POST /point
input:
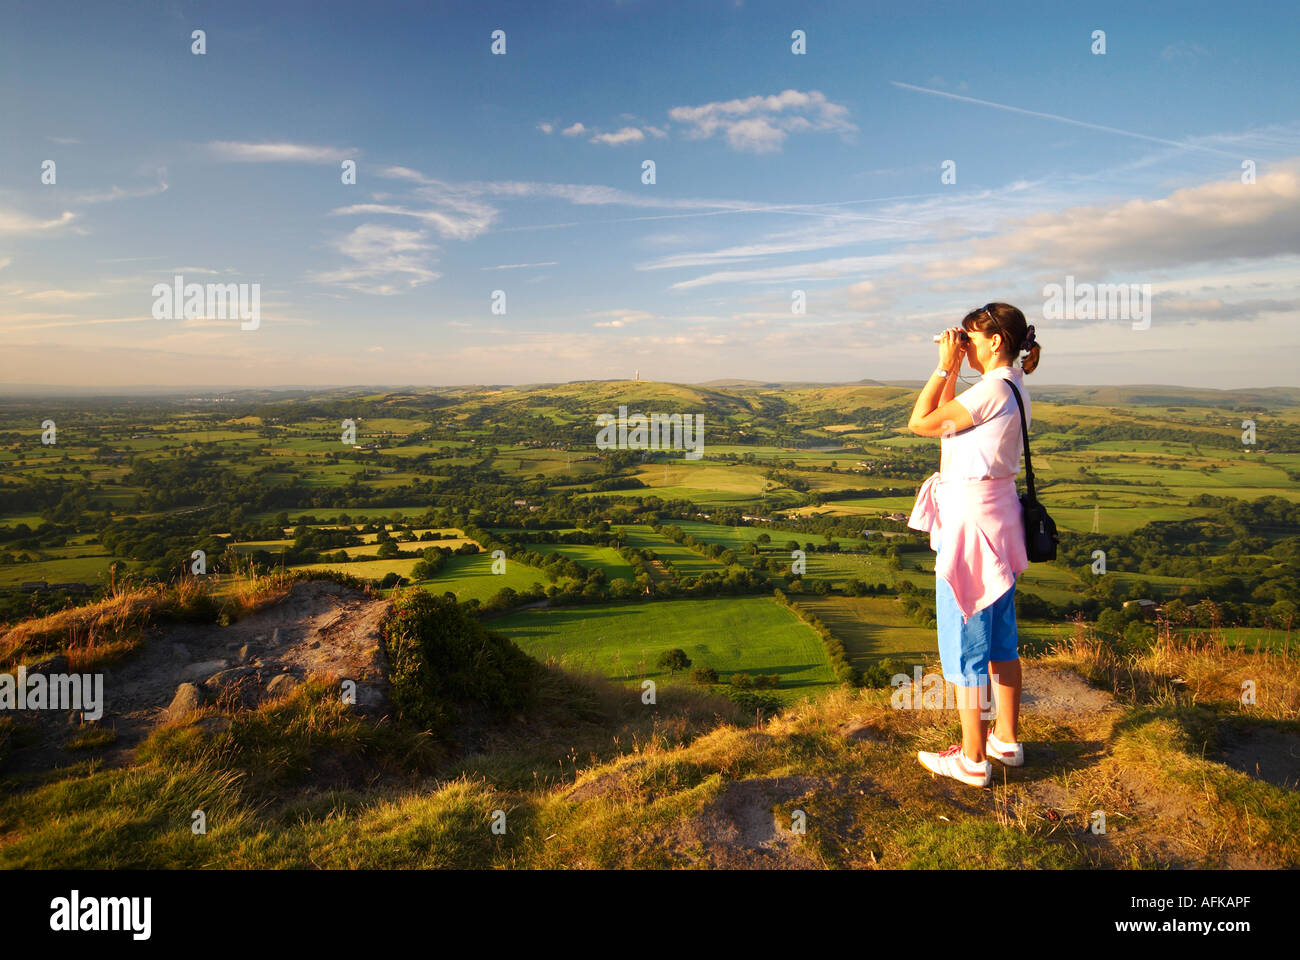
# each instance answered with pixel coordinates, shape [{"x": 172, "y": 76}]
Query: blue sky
[{"x": 522, "y": 172}]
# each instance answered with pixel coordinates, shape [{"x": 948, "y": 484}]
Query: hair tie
[{"x": 1030, "y": 341}]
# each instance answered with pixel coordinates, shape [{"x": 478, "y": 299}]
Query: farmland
[{"x": 501, "y": 498}]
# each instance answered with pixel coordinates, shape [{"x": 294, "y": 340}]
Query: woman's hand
[{"x": 951, "y": 349}]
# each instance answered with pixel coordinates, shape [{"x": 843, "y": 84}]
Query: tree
[
  {"x": 673, "y": 660},
  {"x": 1110, "y": 621},
  {"x": 622, "y": 589}
]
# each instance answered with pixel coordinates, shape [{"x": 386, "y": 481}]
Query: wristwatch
[{"x": 942, "y": 372}]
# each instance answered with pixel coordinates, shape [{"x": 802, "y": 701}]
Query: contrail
[{"x": 1077, "y": 123}]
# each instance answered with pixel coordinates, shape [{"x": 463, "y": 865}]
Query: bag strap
[{"x": 1024, "y": 432}]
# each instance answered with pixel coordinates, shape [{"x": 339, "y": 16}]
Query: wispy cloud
[
  {"x": 241, "y": 152},
  {"x": 1183, "y": 48},
  {"x": 44, "y": 295},
  {"x": 117, "y": 193},
  {"x": 453, "y": 210},
  {"x": 19, "y": 224},
  {"x": 52, "y": 321},
  {"x": 621, "y": 318},
  {"x": 387, "y": 261}
]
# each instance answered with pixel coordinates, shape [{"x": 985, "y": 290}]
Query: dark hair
[{"x": 1003, "y": 318}]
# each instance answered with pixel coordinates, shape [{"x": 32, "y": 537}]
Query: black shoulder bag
[{"x": 1040, "y": 529}]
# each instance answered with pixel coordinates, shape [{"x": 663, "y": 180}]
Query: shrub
[
  {"x": 705, "y": 675},
  {"x": 440, "y": 656},
  {"x": 880, "y": 673},
  {"x": 762, "y": 704}
]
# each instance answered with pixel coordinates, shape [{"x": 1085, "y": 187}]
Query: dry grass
[
  {"x": 1187, "y": 670},
  {"x": 103, "y": 633}
]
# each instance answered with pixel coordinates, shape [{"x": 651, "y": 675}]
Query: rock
[
  {"x": 214, "y": 725},
  {"x": 281, "y": 685},
  {"x": 188, "y": 698},
  {"x": 197, "y": 671},
  {"x": 245, "y": 652},
  {"x": 227, "y": 678},
  {"x": 314, "y": 645},
  {"x": 55, "y": 664},
  {"x": 239, "y": 682}
]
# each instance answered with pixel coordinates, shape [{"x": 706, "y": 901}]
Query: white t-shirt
[{"x": 993, "y": 446}]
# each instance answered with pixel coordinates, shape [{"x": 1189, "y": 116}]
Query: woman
[{"x": 972, "y": 511}]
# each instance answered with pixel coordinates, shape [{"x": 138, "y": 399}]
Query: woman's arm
[{"x": 937, "y": 413}]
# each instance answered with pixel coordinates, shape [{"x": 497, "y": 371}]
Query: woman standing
[{"x": 972, "y": 511}]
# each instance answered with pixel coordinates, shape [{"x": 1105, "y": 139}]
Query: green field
[
  {"x": 590, "y": 558},
  {"x": 754, "y": 635},
  {"x": 471, "y": 577},
  {"x": 873, "y": 628}
]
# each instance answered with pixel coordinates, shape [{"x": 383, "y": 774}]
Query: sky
[{"x": 914, "y": 162}]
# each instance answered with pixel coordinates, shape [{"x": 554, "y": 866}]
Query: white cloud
[
  {"x": 760, "y": 124},
  {"x": 621, "y": 318},
  {"x": 625, "y": 135},
  {"x": 546, "y": 127},
  {"x": 576, "y": 130},
  {"x": 13, "y": 222},
  {"x": 241, "y": 152},
  {"x": 453, "y": 210},
  {"x": 61, "y": 295},
  {"x": 383, "y": 256},
  {"x": 1217, "y": 220}
]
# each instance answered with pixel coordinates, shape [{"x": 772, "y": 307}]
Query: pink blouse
[{"x": 983, "y": 532}]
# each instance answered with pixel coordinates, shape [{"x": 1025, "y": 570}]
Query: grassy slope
[{"x": 599, "y": 779}]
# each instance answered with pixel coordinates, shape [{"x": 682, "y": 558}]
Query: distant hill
[
  {"x": 787, "y": 384},
  {"x": 727, "y": 392}
]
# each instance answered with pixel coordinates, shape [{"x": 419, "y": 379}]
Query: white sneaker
[
  {"x": 1009, "y": 754},
  {"x": 953, "y": 763}
]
